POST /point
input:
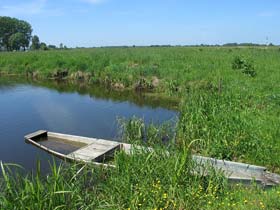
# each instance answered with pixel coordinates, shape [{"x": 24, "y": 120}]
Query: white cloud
[
  {"x": 31, "y": 7},
  {"x": 34, "y": 7}
]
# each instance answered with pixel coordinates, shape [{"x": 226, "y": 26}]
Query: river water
[{"x": 27, "y": 106}]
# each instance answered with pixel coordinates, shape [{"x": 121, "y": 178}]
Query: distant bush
[{"x": 244, "y": 66}]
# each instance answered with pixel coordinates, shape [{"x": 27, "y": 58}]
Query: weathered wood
[
  {"x": 81, "y": 139},
  {"x": 96, "y": 151},
  {"x": 234, "y": 171},
  {"x": 67, "y": 137},
  {"x": 31, "y": 138},
  {"x": 36, "y": 134}
]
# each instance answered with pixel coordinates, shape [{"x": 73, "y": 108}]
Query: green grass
[
  {"x": 143, "y": 181},
  {"x": 231, "y": 126},
  {"x": 178, "y": 69},
  {"x": 230, "y": 109}
]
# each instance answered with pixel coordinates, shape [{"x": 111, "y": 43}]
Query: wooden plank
[
  {"x": 81, "y": 139},
  {"x": 95, "y": 151},
  {"x": 36, "y": 134}
]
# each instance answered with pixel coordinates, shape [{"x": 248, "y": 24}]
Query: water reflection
[{"x": 26, "y": 106}]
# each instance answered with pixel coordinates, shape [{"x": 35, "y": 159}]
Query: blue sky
[{"x": 144, "y": 22}]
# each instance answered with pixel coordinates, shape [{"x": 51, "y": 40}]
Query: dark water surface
[{"x": 27, "y": 106}]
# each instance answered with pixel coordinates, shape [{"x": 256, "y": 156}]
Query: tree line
[{"x": 16, "y": 34}]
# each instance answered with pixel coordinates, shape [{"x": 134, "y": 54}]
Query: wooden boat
[
  {"x": 96, "y": 151},
  {"x": 76, "y": 148}
]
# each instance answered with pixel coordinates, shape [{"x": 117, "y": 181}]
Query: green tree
[
  {"x": 24, "y": 28},
  {"x": 11, "y": 26},
  {"x": 7, "y": 28},
  {"x": 16, "y": 40},
  {"x": 43, "y": 46},
  {"x": 51, "y": 46},
  {"x": 35, "y": 43}
]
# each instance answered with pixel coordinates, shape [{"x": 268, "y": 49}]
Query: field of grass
[
  {"x": 230, "y": 106},
  {"x": 177, "y": 69}
]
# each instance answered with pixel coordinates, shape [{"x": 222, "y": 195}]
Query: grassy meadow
[
  {"x": 229, "y": 109},
  {"x": 177, "y": 69}
]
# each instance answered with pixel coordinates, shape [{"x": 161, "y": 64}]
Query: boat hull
[{"x": 95, "y": 151}]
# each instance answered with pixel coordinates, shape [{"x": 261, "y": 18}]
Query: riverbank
[
  {"x": 229, "y": 110},
  {"x": 100, "y": 91},
  {"x": 171, "y": 71}
]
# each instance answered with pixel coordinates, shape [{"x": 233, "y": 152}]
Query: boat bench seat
[{"x": 96, "y": 151}]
